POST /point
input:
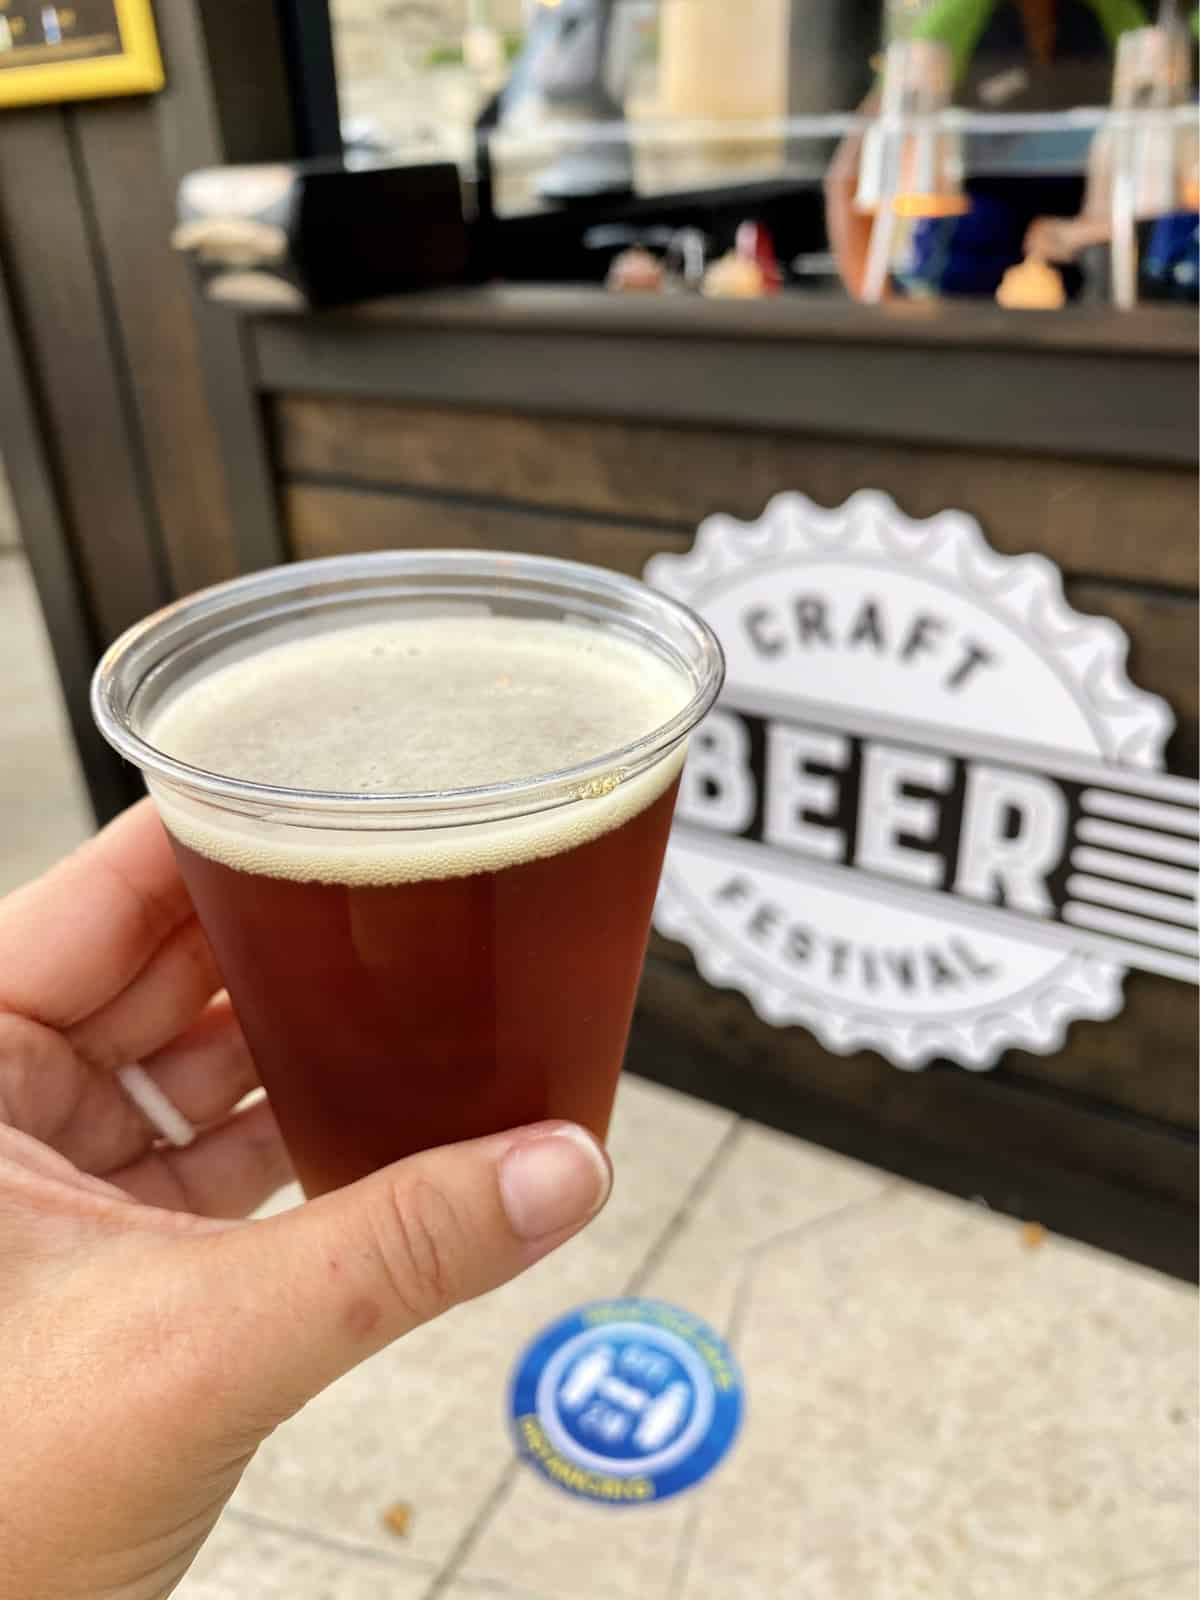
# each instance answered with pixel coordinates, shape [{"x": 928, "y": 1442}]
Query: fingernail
[{"x": 552, "y": 1181}]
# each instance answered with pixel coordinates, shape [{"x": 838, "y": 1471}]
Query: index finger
[{"x": 72, "y": 940}]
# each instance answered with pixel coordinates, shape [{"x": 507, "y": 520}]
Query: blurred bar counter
[{"x": 954, "y": 375}]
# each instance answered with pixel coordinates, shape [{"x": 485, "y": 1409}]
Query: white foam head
[{"x": 430, "y": 704}]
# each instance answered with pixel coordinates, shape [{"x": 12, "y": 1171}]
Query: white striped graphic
[
  {"x": 1081, "y": 887},
  {"x": 1141, "y": 928},
  {"x": 874, "y": 890},
  {"x": 1131, "y": 808},
  {"x": 1133, "y": 870},
  {"x": 1184, "y": 851}
]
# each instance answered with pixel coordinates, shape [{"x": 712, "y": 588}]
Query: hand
[
  {"x": 146, "y": 1346},
  {"x": 847, "y": 228},
  {"x": 1062, "y": 238}
]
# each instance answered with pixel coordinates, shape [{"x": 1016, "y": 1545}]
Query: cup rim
[{"x": 150, "y": 643}]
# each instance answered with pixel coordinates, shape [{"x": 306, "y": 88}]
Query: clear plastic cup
[{"x": 414, "y": 968}]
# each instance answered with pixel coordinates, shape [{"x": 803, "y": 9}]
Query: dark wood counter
[
  {"x": 796, "y": 316},
  {"x": 962, "y": 375}
]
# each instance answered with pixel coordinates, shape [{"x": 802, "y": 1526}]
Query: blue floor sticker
[{"x": 626, "y": 1401}]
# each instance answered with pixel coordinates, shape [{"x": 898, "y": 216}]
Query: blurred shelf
[{"x": 797, "y": 315}]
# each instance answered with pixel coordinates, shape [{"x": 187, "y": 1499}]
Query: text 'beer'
[{"x": 402, "y": 987}]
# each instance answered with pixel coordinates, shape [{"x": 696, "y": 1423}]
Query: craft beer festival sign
[{"x": 927, "y": 816}]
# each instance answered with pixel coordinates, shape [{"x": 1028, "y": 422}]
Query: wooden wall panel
[
  {"x": 46, "y": 541},
  {"x": 1143, "y": 1063},
  {"x": 1089, "y": 384},
  {"x": 75, "y": 368},
  {"x": 1163, "y": 651},
  {"x": 1131, "y": 522},
  {"x": 973, "y": 1111},
  {"x": 227, "y": 99},
  {"x": 325, "y": 522},
  {"x": 134, "y": 209}
]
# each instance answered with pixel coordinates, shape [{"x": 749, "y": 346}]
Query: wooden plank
[
  {"x": 76, "y": 368},
  {"x": 323, "y": 522},
  {"x": 1142, "y": 1062},
  {"x": 226, "y": 100},
  {"x": 968, "y": 1111},
  {"x": 1050, "y": 399},
  {"x": 112, "y": 783},
  {"x": 1130, "y": 522},
  {"x": 1164, "y": 655},
  {"x": 795, "y": 318},
  {"x": 1146, "y": 1228},
  {"x": 152, "y": 299},
  {"x": 103, "y": 318}
]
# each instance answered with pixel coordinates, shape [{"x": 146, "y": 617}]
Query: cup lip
[{"x": 111, "y": 697}]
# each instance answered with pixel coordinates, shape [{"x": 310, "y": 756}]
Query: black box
[{"x": 324, "y": 233}]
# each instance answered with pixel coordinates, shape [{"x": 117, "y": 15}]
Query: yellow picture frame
[{"x": 136, "y": 68}]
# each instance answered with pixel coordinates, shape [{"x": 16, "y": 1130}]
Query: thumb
[{"x": 289, "y": 1304}]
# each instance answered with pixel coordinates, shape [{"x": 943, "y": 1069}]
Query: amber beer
[
  {"x": 424, "y": 847},
  {"x": 391, "y": 1018}
]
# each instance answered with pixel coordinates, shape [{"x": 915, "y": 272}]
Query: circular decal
[{"x": 626, "y": 1401}]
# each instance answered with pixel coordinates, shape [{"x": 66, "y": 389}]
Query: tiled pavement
[{"x": 939, "y": 1406}]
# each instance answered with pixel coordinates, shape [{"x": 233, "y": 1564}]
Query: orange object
[
  {"x": 734, "y": 277},
  {"x": 1032, "y": 286},
  {"x": 635, "y": 271},
  {"x": 397, "y": 1519}
]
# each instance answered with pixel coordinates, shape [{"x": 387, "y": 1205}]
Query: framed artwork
[{"x": 83, "y": 51}]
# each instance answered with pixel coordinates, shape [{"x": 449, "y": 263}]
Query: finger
[
  {"x": 50, "y": 1093},
  {"x": 73, "y": 939},
  {"x": 284, "y": 1306},
  {"x": 229, "y": 1170},
  {"x": 169, "y": 992},
  {"x": 208, "y": 1068},
  {"x": 21, "y": 1153},
  {"x": 89, "y": 1118}
]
